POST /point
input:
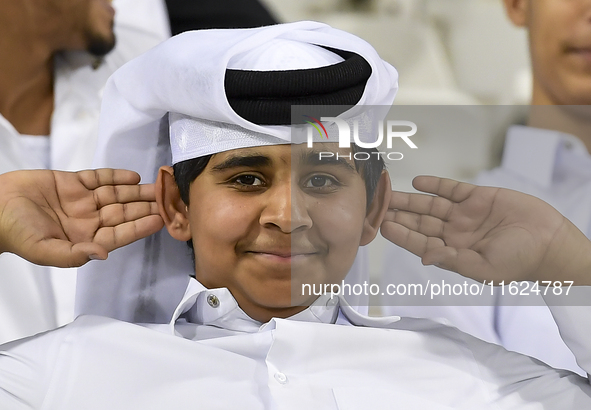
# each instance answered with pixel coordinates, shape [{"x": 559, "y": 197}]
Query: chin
[
  {"x": 276, "y": 299},
  {"x": 100, "y": 43},
  {"x": 574, "y": 91}
]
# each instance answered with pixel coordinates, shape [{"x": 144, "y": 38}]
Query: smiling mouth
[
  {"x": 282, "y": 256},
  {"x": 582, "y": 51}
]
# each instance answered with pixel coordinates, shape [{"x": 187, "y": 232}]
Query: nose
[{"x": 285, "y": 209}]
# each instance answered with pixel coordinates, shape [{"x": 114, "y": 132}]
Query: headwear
[{"x": 215, "y": 84}]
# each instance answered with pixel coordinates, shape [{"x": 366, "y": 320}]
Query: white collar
[
  {"x": 217, "y": 307},
  {"x": 536, "y": 154}
]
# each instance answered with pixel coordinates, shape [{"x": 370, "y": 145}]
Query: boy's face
[{"x": 266, "y": 220}]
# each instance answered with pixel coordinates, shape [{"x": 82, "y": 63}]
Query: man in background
[
  {"x": 56, "y": 58},
  {"x": 549, "y": 158}
]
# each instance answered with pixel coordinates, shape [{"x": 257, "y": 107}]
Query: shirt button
[
  {"x": 281, "y": 378},
  {"x": 213, "y": 301}
]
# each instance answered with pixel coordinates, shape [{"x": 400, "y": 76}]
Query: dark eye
[
  {"x": 249, "y": 180},
  {"x": 320, "y": 181}
]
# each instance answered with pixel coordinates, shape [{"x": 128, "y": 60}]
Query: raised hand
[
  {"x": 487, "y": 233},
  {"x": 65, "y": 219}
]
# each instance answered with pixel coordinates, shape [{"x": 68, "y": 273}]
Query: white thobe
[
  {"x": 549, "y": 165},
  {"x": 213, "y": 356},
  {"x": 27, "y": 297}
]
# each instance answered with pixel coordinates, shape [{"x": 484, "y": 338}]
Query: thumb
[
  {"x": 444, "y": 257},
  {"x": 65, "y": 254}
]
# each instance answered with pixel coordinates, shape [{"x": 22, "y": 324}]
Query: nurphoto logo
[{"x": 392, "y": 130}]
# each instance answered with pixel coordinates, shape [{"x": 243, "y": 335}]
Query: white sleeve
[
  {"x": 402, "y": 268},
  {"x": 574, "y": 323}
]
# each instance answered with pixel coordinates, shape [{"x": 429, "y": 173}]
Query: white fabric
[
  {"x": 144, "y": 281},
  {"x": 554, "y": 167},
  {"x": 35, "y": 151},
  {"x": 27, "y": 301},
  {"x": 283, "y": 54},
  {"x": 182, "y": 81},
  {"x": 192, "y": 137},
  {"x": 217, "y": 357}
]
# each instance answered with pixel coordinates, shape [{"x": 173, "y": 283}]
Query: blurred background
[
  {"x": 446, "y": 51},
  {"x": 462, "y": 53}
]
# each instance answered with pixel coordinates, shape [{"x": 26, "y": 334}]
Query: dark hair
[
  {"x": 186, "y": 171},
  {"x": 370, "y": 170}
]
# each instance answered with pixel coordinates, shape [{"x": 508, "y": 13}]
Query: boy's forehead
[
  {"x": 322, "y": 154},
  {"x": 255, "y": 156}
]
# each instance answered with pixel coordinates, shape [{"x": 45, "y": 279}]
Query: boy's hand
[
  {"x": 65, "y": 219},
  {"x": 487, "y": 233}
]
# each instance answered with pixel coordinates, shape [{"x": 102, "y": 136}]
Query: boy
[{"x": 278, "y": 216}]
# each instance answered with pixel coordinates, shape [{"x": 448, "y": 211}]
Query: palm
[
  {"x": 480, "y": 232},
  {"x": 63, "y": 218}
]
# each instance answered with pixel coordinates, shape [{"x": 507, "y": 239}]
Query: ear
[
  {"x": 377, "y": 209},
  {"x": 517, "y": 11},
  {"x": 170, "y": 205}
]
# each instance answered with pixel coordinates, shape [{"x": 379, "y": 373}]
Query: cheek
[
  {"x": 341, "y": 215},
  {"x": 219, "y": 223},
  {"x": 217, "y": 226},
  {"x": 545, "y": 49},
  {"x": 340, "y": 227},
  {"x": 338, "y": 223}
]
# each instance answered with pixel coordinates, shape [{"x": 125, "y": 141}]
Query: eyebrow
[
  {"x": 313, "y": 158},
  {"x": 238, "y": 161}
]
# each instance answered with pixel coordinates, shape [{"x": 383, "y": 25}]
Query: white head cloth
[{"x": 184, "y": 76}]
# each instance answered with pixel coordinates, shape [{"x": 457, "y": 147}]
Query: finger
[
  {"x": 65, "y": 254},
  {"x": 412, "y": 241},
  {"x": 116, "y": 214},
  {"x": 450, "y": 189},
  {"x": 421, "y": 204},
  {"x": 115, "y": 237},
  {"x": 423, "y": 224},
  {"x": 113, "y": 194},
  {"x": 95, "y": 178}
]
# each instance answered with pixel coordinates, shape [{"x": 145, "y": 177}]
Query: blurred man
[
  {"x": 549, "y": 158},
  {"x": 32, "y": 33},
  {"x": 57, "y": 56}
]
